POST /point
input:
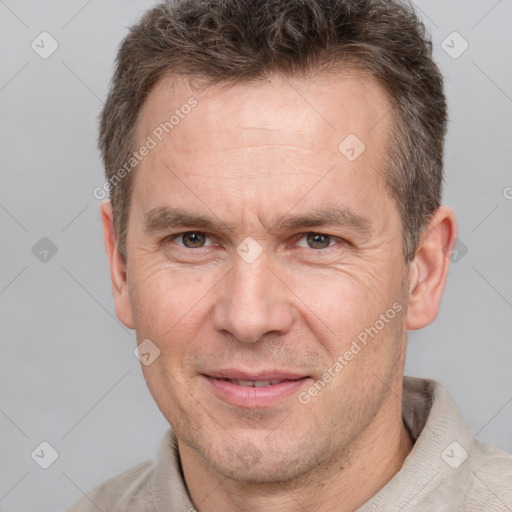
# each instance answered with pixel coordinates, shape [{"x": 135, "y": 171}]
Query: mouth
[
  {"x": 255, "y": 390},
  {"x": 256, "y": 383}
]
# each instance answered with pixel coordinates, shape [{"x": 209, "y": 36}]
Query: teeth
[
  {"x": 247, "y": 383},
  {"x": 254, "y": 383},
  {"x": 261, "y": 383}
]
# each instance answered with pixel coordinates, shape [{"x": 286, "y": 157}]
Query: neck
[{"x": 370, "y": 462}]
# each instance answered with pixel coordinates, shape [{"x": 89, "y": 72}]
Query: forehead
[
  {"x": 282, "y": 108},
  {"x": 261, "y": 140}
]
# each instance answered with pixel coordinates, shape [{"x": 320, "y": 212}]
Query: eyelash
[{"x": 172, "y": 238}]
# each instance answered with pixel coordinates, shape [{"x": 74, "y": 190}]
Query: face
[{"x": 258, "y": 254}]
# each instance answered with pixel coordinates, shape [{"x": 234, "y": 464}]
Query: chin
[
  {"x": 271, "y": 472},
  {"x": 257, "y": 461}
]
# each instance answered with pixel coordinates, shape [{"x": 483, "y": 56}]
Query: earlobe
[
  {"x": 117, "y": 268},
  {"x": 429, "y": 270}
]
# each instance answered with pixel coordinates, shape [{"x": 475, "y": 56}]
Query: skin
[{"x": 244, "y": 155}]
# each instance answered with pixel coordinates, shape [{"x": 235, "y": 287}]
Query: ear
[
  {"x": 117, "y": 268},
  {"x": 429, "y": 270}
]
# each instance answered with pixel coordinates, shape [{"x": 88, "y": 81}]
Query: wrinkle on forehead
[
  {"x": 281, "y": 111},
  {"x": 283, "y": 136}
]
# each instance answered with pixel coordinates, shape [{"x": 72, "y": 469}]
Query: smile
[
  {"x": 256, "y": 392},
  {"x": 255, "y": 383}
]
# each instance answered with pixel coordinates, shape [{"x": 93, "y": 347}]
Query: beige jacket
[{"x": 447, "y": 469}]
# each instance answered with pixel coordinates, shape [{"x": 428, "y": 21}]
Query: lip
[
  {"x": 235, "y": 374},
  {"x": 255, "y": 397}
]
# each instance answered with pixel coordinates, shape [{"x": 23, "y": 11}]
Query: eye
[
  {"x": 198, "y": 240},
  {"x": 318, "y": 240},
  {"x": 191, "y": 239}
]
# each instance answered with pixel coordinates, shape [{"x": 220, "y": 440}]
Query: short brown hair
[{"x": 229, "y": 41}]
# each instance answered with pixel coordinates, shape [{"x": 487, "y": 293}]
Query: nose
[{"x": 252, "y": 302}]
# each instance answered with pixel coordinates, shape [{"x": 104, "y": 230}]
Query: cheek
[
  {"x": 354, "y": 322},
  {"x": 170, "y": 309},
  {"x": 335, "y": 305},
  {"x": 343, "y": 301},
  {"x": 168, "y": 303}
]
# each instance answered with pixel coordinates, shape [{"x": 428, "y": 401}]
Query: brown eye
[
  {"x": 318, "y": 240},
  {"x": 192, "y": 239}
]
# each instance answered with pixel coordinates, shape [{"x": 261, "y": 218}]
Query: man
[{"x": 274, "y": 229}]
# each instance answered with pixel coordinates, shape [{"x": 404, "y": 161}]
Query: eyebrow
[{"x": 163, "y": 218}]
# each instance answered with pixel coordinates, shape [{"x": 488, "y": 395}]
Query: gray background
[{"x": 67, "y": 372}]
